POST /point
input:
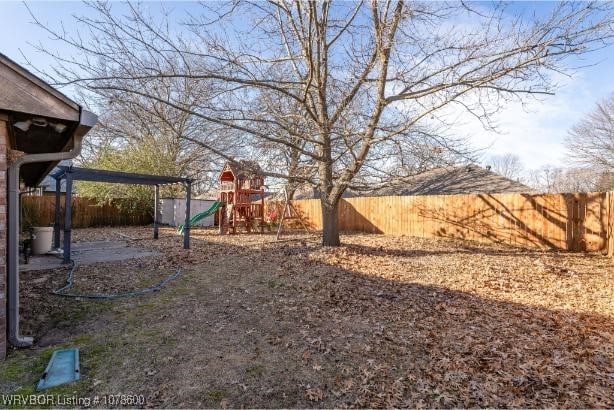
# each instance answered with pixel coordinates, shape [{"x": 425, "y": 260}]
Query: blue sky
[{"x": 535, "y": 136}]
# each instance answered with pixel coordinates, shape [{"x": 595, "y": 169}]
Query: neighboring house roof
[
  {"x": 470, "y": 179},
  {"x": 41, "y": 119},
  {"x": 48, "y": 183}
]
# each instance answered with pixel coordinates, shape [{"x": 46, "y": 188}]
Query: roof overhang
[
  {"x": 40, "y": 118},
  {"x": 23, "y": 92}
]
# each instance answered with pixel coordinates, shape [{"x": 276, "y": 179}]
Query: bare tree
[
  {"x": 605, "y": 182},
  {"x": 590, "y": 143},
  {"x": 132, "y": 121},
  {"x": 508, "y": 165},
  {"x": 556, "y": 179},
  {"x": 297, "y": 170},
  {"x": 361, "y": 75}
]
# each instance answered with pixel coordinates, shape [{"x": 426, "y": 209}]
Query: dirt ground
[{"x": 379, "y": 322}]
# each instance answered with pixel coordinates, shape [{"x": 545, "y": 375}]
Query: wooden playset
[
  {"x": 288, "y": 214},
  {"x": 241, "y": 197}
]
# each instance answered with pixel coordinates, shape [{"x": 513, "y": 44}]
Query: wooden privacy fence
[
  {"x": 40, "y": 211},
  {"x": 575, "y": 222}
]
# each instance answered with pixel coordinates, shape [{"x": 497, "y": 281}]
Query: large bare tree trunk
[{"x": 330, "y": 223}]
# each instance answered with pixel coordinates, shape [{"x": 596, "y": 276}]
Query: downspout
[{"x": 86, "y": 121}]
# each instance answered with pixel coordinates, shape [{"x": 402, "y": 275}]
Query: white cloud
[{"x": 536, "y": 131}]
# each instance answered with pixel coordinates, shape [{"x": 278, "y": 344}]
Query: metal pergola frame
[{"x": 70, "y": 174}]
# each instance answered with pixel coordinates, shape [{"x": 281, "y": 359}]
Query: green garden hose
[{"x": 70, "y": 282}]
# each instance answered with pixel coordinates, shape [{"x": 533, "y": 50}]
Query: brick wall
[{"x": 3, "y": 208}]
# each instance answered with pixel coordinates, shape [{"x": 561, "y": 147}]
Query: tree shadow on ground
[
  {"x": 272, "y": 327},
  {"x": 465, "y": 249}
]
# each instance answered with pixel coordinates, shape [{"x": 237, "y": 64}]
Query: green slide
[{"x": 216, "y": 205}]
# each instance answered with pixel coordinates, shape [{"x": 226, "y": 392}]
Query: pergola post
[
  {"x": 156, "y": 210},
  {"x": 68, "y": 217},
  {"x": 98, "y": 175},
  {"x": 58, "y": 215},
  {"x": 186, "y": 225}
]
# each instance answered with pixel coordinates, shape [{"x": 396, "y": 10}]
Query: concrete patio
[{"x": 87, "y": 253}]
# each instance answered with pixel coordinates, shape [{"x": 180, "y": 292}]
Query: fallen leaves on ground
[{"x": 378, "y": 322}]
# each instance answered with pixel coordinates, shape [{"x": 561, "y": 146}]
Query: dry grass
[{"x": 378, "y": 322}]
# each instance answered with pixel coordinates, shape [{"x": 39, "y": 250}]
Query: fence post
[{"x": 610, "y": 223}]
